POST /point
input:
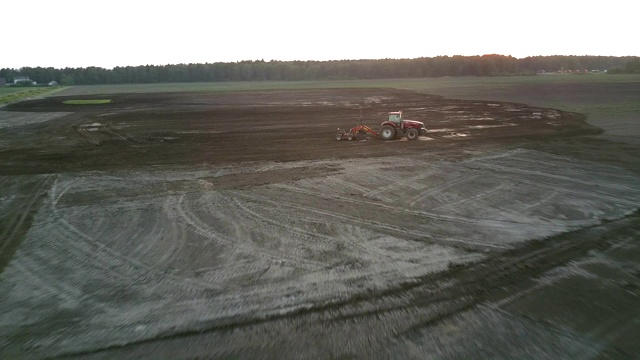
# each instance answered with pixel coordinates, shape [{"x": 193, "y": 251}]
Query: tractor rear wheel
[
  {"x": 412, "y": 134},
  {"x": 387, "y": 132},
  {"x": 339, "y": 136}
]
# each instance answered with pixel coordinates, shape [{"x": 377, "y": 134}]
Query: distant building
[
  {"x": 3, "y": 81},
  {"x": 19, "y": 79},
  {"x": 53, "y": 83}
]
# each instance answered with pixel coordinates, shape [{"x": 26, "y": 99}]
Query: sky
[{"x": 70, "y": 33}]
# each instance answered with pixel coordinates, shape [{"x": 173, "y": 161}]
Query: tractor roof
[{"x": 395, "y": 112}]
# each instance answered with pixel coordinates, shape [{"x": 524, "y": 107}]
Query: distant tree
[
  {"x": 633, "y": 66},
  {"x": 8, "y": 74},
  {"x": 485, "y": 65},
  {"x": 67, "y": 80}
]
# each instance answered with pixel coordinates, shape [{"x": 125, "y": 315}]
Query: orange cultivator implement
[
  {"x": 356, "y": 133},
  {"x": 359, "y": 132}
]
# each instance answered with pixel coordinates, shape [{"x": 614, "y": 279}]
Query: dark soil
[{"x": 183, "y": 129}]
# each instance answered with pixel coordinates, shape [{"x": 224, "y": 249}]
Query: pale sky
[{"x": 69, "y": 33}]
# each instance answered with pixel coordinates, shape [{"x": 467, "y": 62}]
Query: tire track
[
  {"x": 35, "y": 271},
  {"x": 18, "y": 218},
  {"x": 551, "y": 180},
  {"x": 158, "y": 238},
  {"x": 419, "y": 304},
  {"x": 88, "y": 252},
  {"x": 208, "y": 232},
  {"x": 374, "y": 256},
  {"x": 92, "y": 131},
  {"x": 308, "y": 235},
  {"x": 403, "y": 210},
  {"x": 486, "y": 222},
  {"x": 87, "y": 134},
  {"x": 399, "y": 184},
  {"x": 466, "y": 200},
  {"x": 371, "y": 259},
  {"x": 557, "y": 163},
  {"x": 378, "y": 225},
  {"x": 574, "y": 193},
  {"x": 107, "y": 129},
  {"x": 346, "y": 185},
  {"x": 73, "y": 232},
  {"x": 177, "y": 234},
  {"x": 375, "y": 253},
  {"x": 440, "y": 189}
]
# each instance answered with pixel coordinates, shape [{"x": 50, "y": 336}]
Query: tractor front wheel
[
  {"x": 387, "y": 132},
  {"x": 412, "y": 134}
]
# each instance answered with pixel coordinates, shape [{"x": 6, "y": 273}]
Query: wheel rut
[{"x": 431, "y": 299}]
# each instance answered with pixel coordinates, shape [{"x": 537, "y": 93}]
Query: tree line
[{"x": 260, "y": 70}]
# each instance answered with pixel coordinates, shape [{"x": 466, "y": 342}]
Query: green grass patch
[
  {"x": 11, "y": 94},
  {"x": 6, "y": 90},
  {"x": 87, "y": 101}
]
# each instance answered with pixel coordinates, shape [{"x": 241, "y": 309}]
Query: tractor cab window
[{"x": 395, "y": 118}]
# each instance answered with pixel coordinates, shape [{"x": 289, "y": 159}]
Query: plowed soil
[
  {"x": 235, "y": 225},
  {"x": 184, "y": 129}
]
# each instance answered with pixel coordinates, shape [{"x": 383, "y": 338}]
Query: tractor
[{"x": 395, "y": 126}]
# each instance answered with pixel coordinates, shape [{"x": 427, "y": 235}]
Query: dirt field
[{"x": 177, "y": 225}]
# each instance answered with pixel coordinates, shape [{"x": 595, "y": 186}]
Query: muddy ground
[{"x": 234, "y": 225}]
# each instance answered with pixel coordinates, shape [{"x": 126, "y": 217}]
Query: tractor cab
[{"x": 396, "y": 118}]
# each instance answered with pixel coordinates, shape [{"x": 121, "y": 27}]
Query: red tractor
[{"x": 396, "y": 126}]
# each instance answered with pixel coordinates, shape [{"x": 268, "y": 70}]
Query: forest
[{"x": 260, "y": 70}]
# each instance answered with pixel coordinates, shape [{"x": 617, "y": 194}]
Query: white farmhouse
[{"x": 18, "y": 79}]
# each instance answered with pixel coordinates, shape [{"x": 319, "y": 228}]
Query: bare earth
[{"x": 234, "y": 225}]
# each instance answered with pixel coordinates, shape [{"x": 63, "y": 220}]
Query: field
[
  {"x": 224, "y": 220},
  {"x": 609, "y": 101}
]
